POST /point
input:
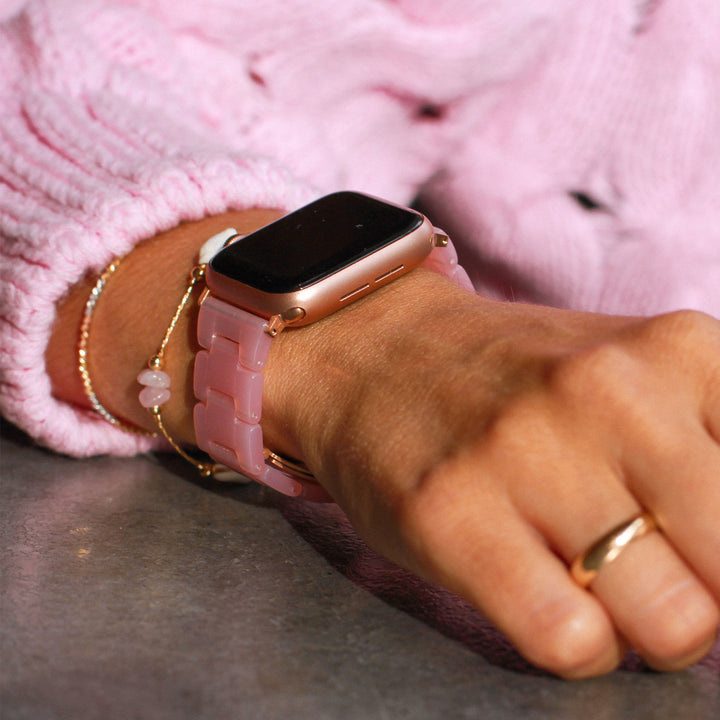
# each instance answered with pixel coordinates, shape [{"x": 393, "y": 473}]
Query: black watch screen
[{"x": 314, "y": 242}]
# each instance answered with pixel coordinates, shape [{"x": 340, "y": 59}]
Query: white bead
[
  {"x": 154, "y": 378},
  {"x": 152, "y": 396}
]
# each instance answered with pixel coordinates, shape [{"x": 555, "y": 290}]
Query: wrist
[
  {"x": 130, "y": 320},
  {"x": 316, "y": 374}
]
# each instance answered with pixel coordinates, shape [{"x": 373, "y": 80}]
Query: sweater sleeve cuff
[{"x": 76, "y": 192}]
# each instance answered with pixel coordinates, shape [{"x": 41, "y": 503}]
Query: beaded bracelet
[
  {"x": 156, "y": 382},
  {"x": 83, "y": 342}
]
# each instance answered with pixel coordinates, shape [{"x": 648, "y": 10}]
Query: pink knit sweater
[{"x": 572, "y": 148}]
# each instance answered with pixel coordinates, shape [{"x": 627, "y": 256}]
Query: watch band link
[{"x": 228, "y": 383}]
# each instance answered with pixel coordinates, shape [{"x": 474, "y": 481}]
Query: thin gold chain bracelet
[{"x": 83, "y": 354}]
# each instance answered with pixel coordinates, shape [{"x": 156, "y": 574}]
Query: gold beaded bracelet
[
  {"x": 156, "y": 382},
  {"x": 83, "y": 341}
]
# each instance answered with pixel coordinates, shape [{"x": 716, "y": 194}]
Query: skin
[{"x": 481, "y": 445}]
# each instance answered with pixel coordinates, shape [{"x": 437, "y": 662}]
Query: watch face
[{"x": 314, "y": 242}]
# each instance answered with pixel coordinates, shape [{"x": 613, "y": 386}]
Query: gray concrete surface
[{"x": 131, "y": 590}]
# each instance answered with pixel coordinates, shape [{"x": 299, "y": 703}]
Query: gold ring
[{"x": 586, "y": 566}]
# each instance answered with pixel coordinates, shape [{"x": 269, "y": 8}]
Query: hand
[
  {"x": 485, "y": 445},
  {"x": 482, "y": 445}
]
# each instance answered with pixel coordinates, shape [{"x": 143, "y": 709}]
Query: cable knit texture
[{"x": 571, "y": 148}]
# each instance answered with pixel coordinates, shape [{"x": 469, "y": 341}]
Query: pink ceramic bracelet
[{"x": 228, "y": 384}]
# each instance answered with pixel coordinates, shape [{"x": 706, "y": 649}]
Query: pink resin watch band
[{"x": 228, "y": 384}]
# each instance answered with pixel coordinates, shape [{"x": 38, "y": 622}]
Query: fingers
[
  {"x": 659, "y": 591},
  {"x": 485, "y": 551},
  {"x": 500, "y": 548},
  {"x": 655, "y": 601},
  {"x": 572, "y": 444},
  {"x": 681, "y": 485},
  {"x": 658, "y": 603}
]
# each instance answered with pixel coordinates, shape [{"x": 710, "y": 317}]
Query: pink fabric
[{"x": 572, "y": 149}]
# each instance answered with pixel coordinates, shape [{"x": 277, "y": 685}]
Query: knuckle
[
  {"x": 600, "y": 371},
  {"x": 516, "y": 422},
  {"x": 416, "y": 513},
  {"x": 440, "y": 529},
  {"x": 612, "y": 370},
  {"x": 682, "y": 326}
]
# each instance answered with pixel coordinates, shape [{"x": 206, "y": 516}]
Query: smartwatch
[{"x": 293, "y": 272}]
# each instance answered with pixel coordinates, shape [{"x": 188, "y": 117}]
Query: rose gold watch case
[{"x": 335, "y": 292}]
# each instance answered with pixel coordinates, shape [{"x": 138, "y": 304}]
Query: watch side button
[
  {"x": 387, "y": 275},
  {"x": 293, "y": 315},
  {"x": 356, "y": 292}
]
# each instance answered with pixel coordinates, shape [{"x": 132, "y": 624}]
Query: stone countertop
[{"x": 129, "y": 589}]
